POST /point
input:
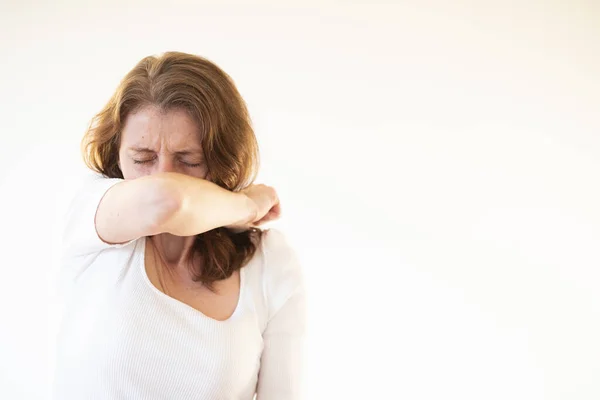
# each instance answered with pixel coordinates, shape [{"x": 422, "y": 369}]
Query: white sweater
[{"x": 122, "y": 338}]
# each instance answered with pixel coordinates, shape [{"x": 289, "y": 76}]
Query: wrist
[{"x": 248, "y": 211}]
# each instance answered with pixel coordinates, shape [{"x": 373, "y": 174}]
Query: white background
[{"x": 438, "y": 165}]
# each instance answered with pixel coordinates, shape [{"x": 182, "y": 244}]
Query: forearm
[{"x": 202, "y": 206}]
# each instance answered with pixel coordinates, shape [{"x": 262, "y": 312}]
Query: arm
[
  {"x": 281, "y": 365},
  {"x": 168, "y": 202}
]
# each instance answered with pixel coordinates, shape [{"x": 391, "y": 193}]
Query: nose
[{"x": 166, "y": 164}]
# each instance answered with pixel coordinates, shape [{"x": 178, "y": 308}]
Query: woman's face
[{"x": 153, "y": 141}]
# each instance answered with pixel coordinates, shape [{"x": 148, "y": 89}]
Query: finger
[
  {"x": 276, "y": 210},
  {"x": 270, "y": 216}
]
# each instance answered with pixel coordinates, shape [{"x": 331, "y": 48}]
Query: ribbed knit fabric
[{"x": 122, "y": 338}]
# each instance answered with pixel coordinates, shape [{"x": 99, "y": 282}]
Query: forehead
[{"x": 153, "y": 128}]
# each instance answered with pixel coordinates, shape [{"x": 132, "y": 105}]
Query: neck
[
  {"x": 173, "y": 249},
  {"x": 170, "y": 260}
]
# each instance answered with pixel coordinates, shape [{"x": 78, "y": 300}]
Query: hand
[{"x": 267, "y": 205}]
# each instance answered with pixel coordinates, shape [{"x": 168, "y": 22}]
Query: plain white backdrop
[{"x": 438, "y": 165}]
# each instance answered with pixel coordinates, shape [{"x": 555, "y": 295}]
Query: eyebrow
[{"x": 181, "y": 153}]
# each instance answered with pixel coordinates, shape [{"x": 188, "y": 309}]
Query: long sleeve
[
  {"x": 281, "y": 370},
  {"x": 80, "y": 236}
]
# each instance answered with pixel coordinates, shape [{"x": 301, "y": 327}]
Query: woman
[{"x": 172, "y": 290}]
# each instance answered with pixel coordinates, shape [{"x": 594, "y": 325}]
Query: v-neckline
[{"x": 194, "y": 312}]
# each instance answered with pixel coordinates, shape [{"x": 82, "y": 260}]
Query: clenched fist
[{"x": 267, "y": 205}]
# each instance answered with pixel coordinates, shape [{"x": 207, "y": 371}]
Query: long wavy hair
[{"x": 176, "y": 80}]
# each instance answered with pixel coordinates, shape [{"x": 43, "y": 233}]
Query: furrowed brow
[{"x": 141, "y": 149}]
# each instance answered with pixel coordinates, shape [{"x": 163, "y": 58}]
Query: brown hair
[{"x": 176, "y": 80}]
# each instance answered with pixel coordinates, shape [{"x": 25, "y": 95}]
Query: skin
[
  {"x": 150, "y": 144},
  {"x": 155, "y": 142}
]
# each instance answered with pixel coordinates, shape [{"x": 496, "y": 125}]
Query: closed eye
[
  {"x": 191, "y": 165},
  {"x": 142, "y": 161}
]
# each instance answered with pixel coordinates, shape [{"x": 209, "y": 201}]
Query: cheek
[
  {"x": 133, "y": 171},
  {"x": 197, "y": 172}
]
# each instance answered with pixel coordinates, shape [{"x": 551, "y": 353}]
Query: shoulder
[
  {"x": 283, "y": 274},
  {"x": 92, "y": 183},
  {"x": 280, "y": 255},
  {"x": 276, "y": 243}
]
